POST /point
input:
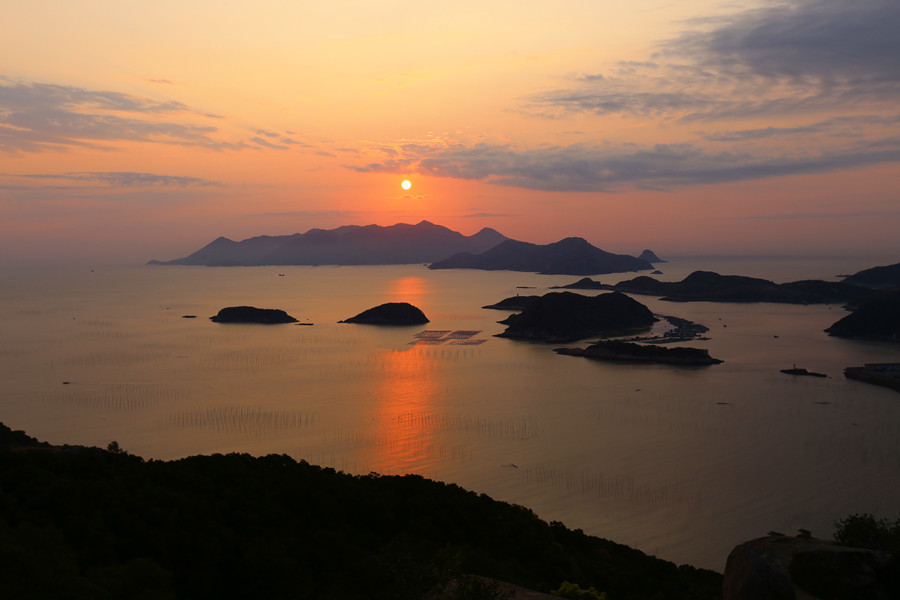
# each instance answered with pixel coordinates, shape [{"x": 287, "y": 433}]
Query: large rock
[
  {"x": 780, "y": 567},
  {"x": 392, "y": 313},
  {"x": 250, "y": 314}
]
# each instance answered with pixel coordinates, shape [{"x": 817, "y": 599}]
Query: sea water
[{"x": 682, "y": 463}]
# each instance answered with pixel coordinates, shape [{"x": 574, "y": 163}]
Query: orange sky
[{"x": 133, "y": 130}]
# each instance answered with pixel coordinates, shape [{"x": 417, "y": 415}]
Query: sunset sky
[{"x": 140, "y": 130}]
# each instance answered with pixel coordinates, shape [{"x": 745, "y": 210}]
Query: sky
[{"x": 140, "y": 130}]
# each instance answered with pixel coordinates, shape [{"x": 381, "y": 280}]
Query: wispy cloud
[
  {"x": 819, "y": 215},
  {"x": 126, "y": 179},
  {"x": 850, "y": 126},
  {"x": 783, "y": 59},
  {"x": 38, "y": 117},
  {"x": 592, "y": 168},
  {"x": 487, "y": 215}
]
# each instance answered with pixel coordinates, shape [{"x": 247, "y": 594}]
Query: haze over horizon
[{"x": 131, "y": 131}]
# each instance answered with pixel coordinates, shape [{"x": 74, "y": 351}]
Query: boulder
[{"x": 779, "y": 567}]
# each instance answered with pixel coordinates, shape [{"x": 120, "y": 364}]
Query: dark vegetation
[
  {"x": 87, "y": 523},
  {"x": 391, "y": 313},
  {"x": 619, "y": 351},
  {"x": 567, "y": 317},
  {"x": 865, "y": 531},
  {"x": 571, "y": 256},
  {"x": 250, "y": 314}
]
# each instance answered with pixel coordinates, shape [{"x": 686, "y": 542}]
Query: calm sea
[{"x": 680, "y": 463}]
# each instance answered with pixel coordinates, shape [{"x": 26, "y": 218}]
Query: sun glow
[{"x": 406, "y": 184}]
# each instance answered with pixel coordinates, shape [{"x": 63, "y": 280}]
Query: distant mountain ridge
[
  {"x": 570, "y": 256},
  {"x": 402, "y": 243}
]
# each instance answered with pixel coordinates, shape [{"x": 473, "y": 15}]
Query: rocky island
[
  {"x": 571, "y": 256},
  {"x": 250, "y": 314},
  {"x": 619, "y": 351},
  {"x": 391, "y": 313},
  {"x": 708, "y": 286},
  {"x": 562, "y": 317}
]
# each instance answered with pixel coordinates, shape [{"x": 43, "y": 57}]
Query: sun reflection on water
[{"x": 407, "y": 387}]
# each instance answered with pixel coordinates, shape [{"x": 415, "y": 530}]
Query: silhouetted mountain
[
  {"x": 712, "y": 287},
  {"x": 424, "y": 242},
  {"x": 650, "y": 257},
  {"x": 571, "y": 256},
  {"x": 887, "y": 276}
]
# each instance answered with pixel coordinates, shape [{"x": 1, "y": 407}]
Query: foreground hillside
[{"x": 87, "y": 523}]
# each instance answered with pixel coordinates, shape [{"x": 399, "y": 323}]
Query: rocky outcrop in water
[
  {"x": 250, "y": 314},
  {"x": 618, "y": 351},
  {"x": 391, "y": 313}
]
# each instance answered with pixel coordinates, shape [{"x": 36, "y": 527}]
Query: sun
[{"x": 406, "y": 184}]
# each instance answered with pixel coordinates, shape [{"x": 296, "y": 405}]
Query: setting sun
[{"x": 406, "y": 184}]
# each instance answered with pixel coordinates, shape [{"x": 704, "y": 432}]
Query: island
[
  {"x": 571, "y": 256},
  {"x": 802, "y": 372},
  {"x": 562, "y": 317},
  {"x": 708, "y": 286},
  {"x": 620, "y": 351},
  {"x": 585, "y": 283},
  {"x": 391, "y": 313},
  {"x": 877, "y": 277},
  {"x": 876, "y": 319},
  {"x": 250, "y": 314},
  {"x": 422, "y": 243}
]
